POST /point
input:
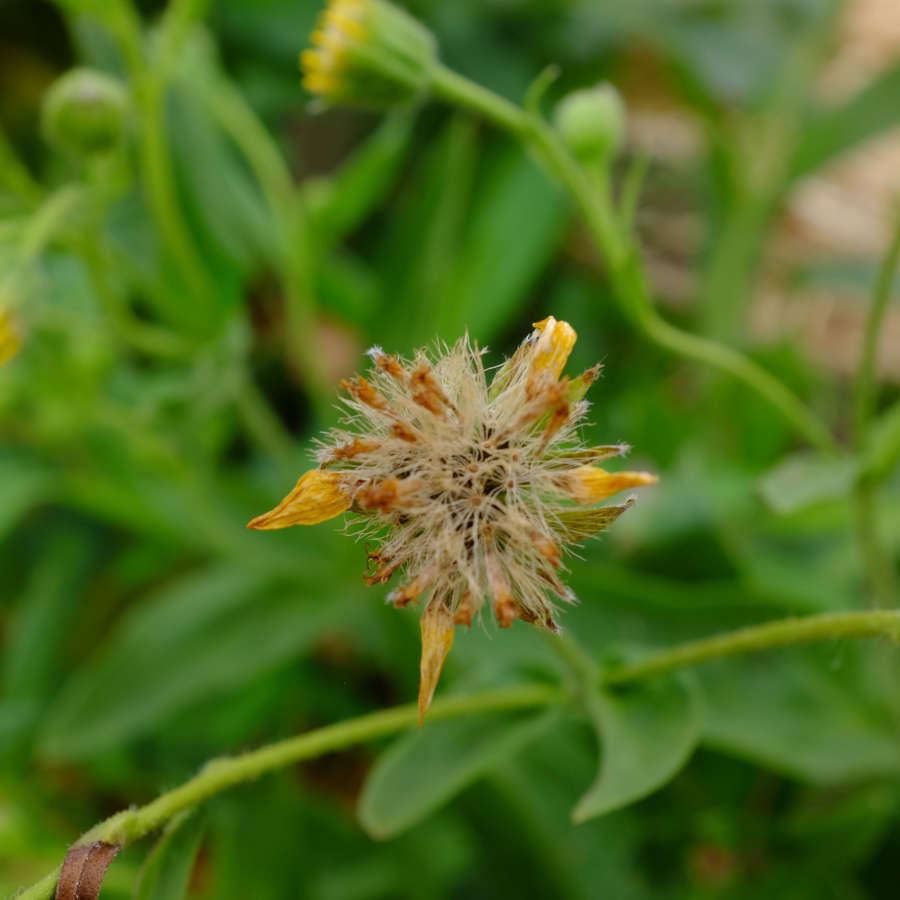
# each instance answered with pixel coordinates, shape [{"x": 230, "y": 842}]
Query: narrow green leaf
[
  {"x": 806, "y": 478},
  {"x": 422, "y": 240},
  {"x": 872, "y": 111},
  {"x": 647, "y": 733},
  {"x": 208, "y": 633},
  {"x": 167, "y": 870},
  {"x": 807, "y": 712},
  {"x": 515, "y": 228},
  {"x": 882, "y": 452},
  {"x": 23, "y": 483},
  {"x": 428, "y": 767},
  {"x": 345, "y": 200},
  {"x": 40, "y": 626}
]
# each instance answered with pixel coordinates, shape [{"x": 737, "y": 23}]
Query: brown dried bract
[
  {"x": 391, "y": 365},
  {"x": 355, "y": 448},
  {"x": 83, "y": 871},
  {"x": 385, "y": 495},
  {"x": 402, "y": 431},
  {"x": 546, "y": 548},
  {"x": 362, "y": 390},
  {"x": 464, "y": 611}
]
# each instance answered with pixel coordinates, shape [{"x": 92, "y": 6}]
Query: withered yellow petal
[
  {"x": 554, "y": 344},
  {"x": 317, "y": 496},
  {"x": 591, "y": 484},
  {"x": 437, "y": 639}
]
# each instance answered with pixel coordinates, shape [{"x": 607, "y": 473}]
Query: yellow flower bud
[{"x": 368, "y": 53}]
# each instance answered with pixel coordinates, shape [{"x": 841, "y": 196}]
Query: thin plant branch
[
  {"x": 218, "y": 775},
  {"x": 621, "y": 254}
]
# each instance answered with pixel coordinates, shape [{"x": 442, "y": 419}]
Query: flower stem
[
  {"x": 219, "y": 774},
  {"x": 864, "y": 399},
  {"x": 876, "y": 558},
  {"x": 621, "y": 255},
  {"x": 826, "y": 626},
  {"x": 156, "y": 166}
]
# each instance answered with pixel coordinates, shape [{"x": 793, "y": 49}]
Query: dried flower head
[
  {"x": 368, "y": 52},
  {"x": 468, "y": 487}
]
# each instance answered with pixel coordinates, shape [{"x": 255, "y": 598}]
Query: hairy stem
[
  {"x": 219, "y": 774},
  {"x": 621, "y": 255},
  {"x": 754, "y": 638}
]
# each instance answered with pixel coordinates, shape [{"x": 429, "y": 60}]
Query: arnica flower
[
  {"x": 368, "y": 53},
  {"x": 10, "y": 341},
  {"x": 468, "y": 489}
]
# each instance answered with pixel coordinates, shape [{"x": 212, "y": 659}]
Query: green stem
[
  {"x": 156, "y": 166},
  {"x": 220, "y": 774},
  {"x": 263, "y": 424},
  {"x": 48, "y": 221},
  {"x": 864, "y": 398},
  {"x": 294, "y": 255},
  {"x": 826, "y": 626},
  {"x": 621, "y": 254},
  {"x": 876, "y": 558},
  {"x": 760, "y": 179},
  {"x": 141, "y": 336}
]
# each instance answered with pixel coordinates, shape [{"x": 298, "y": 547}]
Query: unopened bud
[
  {"x": 368, "y": 53},
  {"x": 84, "y": 112},
  {"x": 592, "y": 123}
]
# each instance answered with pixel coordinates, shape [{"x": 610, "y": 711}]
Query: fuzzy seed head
[{"x": 467, "y": 488}]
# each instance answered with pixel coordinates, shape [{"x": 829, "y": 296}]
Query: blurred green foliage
[{"x": 189, "y": 300}]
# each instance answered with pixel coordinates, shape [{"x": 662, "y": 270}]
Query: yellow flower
[
  {"x": 471, "y": 489},
  {"x": 368, "y": 52},
  {"x": 10, "y": 342}
]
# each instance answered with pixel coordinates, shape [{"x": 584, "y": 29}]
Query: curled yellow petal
[
  {"x": 437, "y": 639},
  {"x": 554, "y": 344},
  {"x": 317, "y": 496},
  {"x": 591, "y": 484}
]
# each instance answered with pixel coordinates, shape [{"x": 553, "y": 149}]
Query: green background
[{"x": 161, "y": 400}]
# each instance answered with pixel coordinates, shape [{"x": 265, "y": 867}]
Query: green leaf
[
  {"x": 514, "y": 230},
  {"x": 428, "y": 767},
  {"x": 342, "y": 202},
  {"x": 422, "y": 242},
  {"x": 806, "y": 478},
  {"x": 208, "y": 633},
  {"x": 39, "y": 629},
  {"x": 647, "y": 733},
  {"x": 872, "y": 111},
  {"x": 882, "y": 452},
  {"x": 23, "y": 483},
  {"x": 808, "y": 712},
  {"x": 167, "y": 870}
]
